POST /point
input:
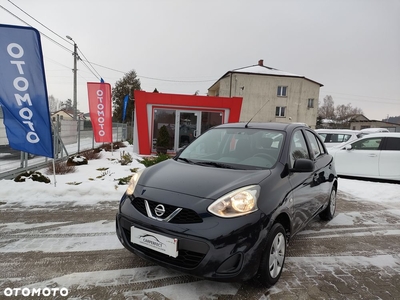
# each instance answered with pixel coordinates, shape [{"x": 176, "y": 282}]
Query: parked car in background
[
  {"x": 336, "y": 137},
  {"x": 376, "y": 155},
  {"x": 366, "y": 131},
  {"x": 226, "y": 206}
]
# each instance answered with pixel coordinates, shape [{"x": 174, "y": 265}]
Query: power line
[
  {"x": 14, "y": 15},
  {"x": 153, "y": 78},
  {"x": 362, "y": 96},
  {"x": 99, "y": 76},
  {"x": 96, "y": 75},
  {"x": 39, "y": 22}
]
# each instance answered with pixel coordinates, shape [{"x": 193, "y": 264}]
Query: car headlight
[
  {"x": 237, "y": 203},
  {"x": 133, "y": 182}
]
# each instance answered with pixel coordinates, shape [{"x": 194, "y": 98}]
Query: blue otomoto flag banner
[
  {"x": 126, "y": 99},
  {"x": 23, "y": 91}
]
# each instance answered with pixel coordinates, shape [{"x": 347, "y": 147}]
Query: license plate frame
[{"x": 155, "y": 241}]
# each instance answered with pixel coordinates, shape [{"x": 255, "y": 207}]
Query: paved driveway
[{"x": 355, "y": 256}]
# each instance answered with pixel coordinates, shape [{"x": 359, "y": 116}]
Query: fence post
[
  {"x": 56, "y": 131},
  {"x": 79, "y": 133}
]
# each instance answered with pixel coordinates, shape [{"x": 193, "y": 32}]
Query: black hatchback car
[{"x": 226, "y": 206}]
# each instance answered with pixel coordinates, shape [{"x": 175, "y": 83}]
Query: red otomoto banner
[{"x": 100, "y": 110}]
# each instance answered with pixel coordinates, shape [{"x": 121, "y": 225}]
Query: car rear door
[{"x": 389, "y": 161}]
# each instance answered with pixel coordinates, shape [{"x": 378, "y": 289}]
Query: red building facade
[{"x": 185, "y": 116}]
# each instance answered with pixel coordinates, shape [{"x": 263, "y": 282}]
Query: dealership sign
[
  {"x": 100, "y": 110},
  {"x": 23, "y": 91}
]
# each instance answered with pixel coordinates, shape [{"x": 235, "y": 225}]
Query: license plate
[{"x": 154, "y": 241}]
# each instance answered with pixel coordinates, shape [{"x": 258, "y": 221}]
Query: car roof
[
  {"x": 337, "y": 131},
  {"x": 382, "y": 134},
  {"x": 267, "y": 125},
  {"x": 375, "y": 130}
]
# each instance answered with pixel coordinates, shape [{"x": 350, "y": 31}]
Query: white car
[
  {"x": 336, "y": 137},
  {"x": 376, "y": 155},
  {"x": 366, "y": 131}
]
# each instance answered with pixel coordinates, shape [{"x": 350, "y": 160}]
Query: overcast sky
[{"x": 352, "y": 47}]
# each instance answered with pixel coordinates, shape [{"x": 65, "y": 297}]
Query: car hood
[{"x": 199, "y": 181}]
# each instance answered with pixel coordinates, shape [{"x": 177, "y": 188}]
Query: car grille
[
  {"x": 185, "y": 259},
  {"x": 185, "y": 216}
]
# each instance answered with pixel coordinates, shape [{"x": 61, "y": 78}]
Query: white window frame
[
  {"x": 282, "y": 91},
  {"x": 282, "y": 111},
  {"x": 310, "y": 103}
]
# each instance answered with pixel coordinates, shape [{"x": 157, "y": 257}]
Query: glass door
[{"x": 188, "y": 124}]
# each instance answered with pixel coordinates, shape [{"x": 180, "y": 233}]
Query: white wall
[{"x": 257, "y": 90}]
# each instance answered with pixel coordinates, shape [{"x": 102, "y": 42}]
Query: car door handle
[{"x": 372, "y": 155}]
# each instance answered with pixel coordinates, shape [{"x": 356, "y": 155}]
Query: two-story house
[{"x": 270, "y": 95}]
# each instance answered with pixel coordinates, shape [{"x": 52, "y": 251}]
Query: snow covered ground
[{"x": 84, "y": 187}]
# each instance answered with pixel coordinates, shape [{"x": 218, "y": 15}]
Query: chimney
[{"x": 261, "y": 62}]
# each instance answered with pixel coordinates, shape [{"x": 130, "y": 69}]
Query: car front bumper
[{"x": 216, "y": 248}]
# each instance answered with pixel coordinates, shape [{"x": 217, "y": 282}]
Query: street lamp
[{"x": 75, "y": 54}]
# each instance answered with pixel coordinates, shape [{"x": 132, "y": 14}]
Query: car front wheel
[
  {"x": 328, "y": 213},
  {"x": 274, "y": 257}
]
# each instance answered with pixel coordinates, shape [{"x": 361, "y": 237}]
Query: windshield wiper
[
  {"x": 215, "y": 164},
  {"x": 186, "y": 160}
]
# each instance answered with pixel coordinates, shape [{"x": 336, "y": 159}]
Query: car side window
[
  {"x": 392, "y": 144},
  {"x": 346, "y": 137},
  {"x": 298, "y": 147},
  {"x": 367, "y": 144},
  {"x": 321, "y": 146},
  {"x": 323, "y": 136},
  {"x": 315, "y": 147}
]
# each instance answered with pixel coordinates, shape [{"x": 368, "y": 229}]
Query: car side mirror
[
  {"x": 348, "y": 147},
  {"x": 303, "y": 165}
]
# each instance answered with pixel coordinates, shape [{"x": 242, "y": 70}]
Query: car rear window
[{"x": 392, "y": 144}]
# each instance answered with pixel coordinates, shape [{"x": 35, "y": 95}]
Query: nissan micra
[{"x": 226, "y": 206}]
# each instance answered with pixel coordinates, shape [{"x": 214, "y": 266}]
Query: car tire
[
  {"x": 328, "y": 213},
  {"x": 272, "y": 262}
]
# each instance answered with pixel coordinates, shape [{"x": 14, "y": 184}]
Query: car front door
[
  {"x": 361, "y": 160},
  {"x": 323, "y": 168},
  {"x": 304, "y": 189}
]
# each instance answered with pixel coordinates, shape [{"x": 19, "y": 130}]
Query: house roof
[
  {"x": 62, "y": 111},
  {"x": 80, "y": 115},
  {"x": 260, "y": 69}
]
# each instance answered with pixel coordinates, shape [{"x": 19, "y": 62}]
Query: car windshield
[{"x": 241, "y": 148}]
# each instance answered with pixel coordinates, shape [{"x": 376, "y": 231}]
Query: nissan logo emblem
[{"x": 159, "y": 210}]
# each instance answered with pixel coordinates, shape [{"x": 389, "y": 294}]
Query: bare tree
[
  {"x": 54, "y": 104},
  {"x": 327, "y": 109},
  {"x": 345, "y": 112},
  {"x": 340, "y": 116}
]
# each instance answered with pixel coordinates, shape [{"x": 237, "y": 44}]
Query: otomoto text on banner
[
  {"x": 100, "y": 110},
  {"x": 23, "y": 91}
]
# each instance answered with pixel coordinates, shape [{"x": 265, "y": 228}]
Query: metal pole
[
  {"x": 75, "y": 54},
  {"x": 79, "y": 134},
  {"x": 75, "y": 80}
]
